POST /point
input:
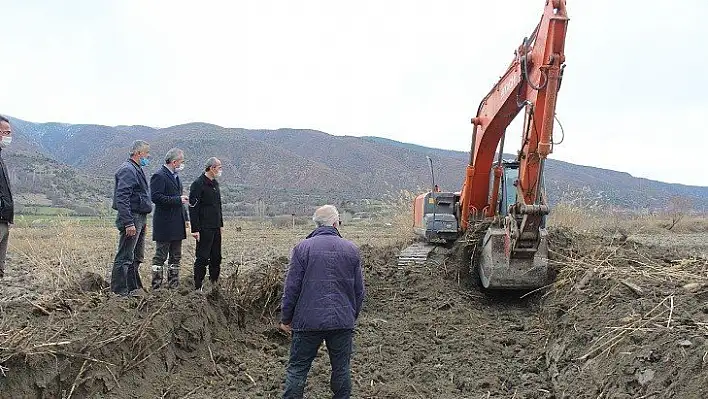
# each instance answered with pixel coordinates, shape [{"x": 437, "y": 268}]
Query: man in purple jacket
[{"x": 323, "y": 295}]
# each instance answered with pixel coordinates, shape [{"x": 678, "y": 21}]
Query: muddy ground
[{"x": 623, "y": 319}]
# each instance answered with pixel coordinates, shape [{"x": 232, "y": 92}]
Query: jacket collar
[
  {"x": 140, "y": 170},
  {"x": 324, "y": 231},
  {"x": 206, "y": 180}
]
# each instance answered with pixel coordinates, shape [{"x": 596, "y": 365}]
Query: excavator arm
[
  {"x": 508, "y": 235},
  {"x": 531, "y": 82},
  {"x": 514, "y": 249}
]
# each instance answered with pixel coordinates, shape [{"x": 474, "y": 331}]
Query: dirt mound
[
  {"x": 620, "y": 321},
  {"x": 83, "y": 341},
  {"x": 91, "y": 282},
  {"x": 626, "y": 320}
]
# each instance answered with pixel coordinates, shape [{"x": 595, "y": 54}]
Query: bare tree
[{"x": 677, "y": 208}]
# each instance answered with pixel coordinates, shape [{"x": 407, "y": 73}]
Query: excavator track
[{"x": 416, "y": 253}]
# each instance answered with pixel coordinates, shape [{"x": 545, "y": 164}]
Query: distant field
[
  {"x": 45, "y": 211},
  {"x": 607, "y": 221},
  {"x": 23, "y": 220}
]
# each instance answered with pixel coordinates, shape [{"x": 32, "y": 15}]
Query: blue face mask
[{"x": 144, "y": 162}]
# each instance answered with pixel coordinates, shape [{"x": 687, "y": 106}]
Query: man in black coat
[
  {"x": 170, "y": 220},
  {"x": 7, "y": 211},
  {"x": 207, "y": 222},
  {"x": 131, "y": 198}
]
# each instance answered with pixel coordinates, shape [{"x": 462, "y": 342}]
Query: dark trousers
[
  {"x": 303, "y": 351},
  {"x": 171, "y": 251},
  {"x": 4, "y": 236},
  {"x": 208, "y": 254},
  {"x": 125, "y": 276}
]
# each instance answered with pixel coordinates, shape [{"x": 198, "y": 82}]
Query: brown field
[
  {"x": 625, "y": 317},
  {"x": 58, "y": 251}
]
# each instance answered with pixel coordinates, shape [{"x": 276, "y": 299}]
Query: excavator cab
[{"x": 507, "y": 188}]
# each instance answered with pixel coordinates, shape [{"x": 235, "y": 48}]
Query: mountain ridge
[{"x": 294, "y": 168}]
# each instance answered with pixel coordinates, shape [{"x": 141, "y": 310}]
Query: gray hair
[
  {"x": 173, "y": 154},
  {"x": 139, "y": 146},
  {"x": 326, "y": 215},
  {"x": 211, "y": 162}
]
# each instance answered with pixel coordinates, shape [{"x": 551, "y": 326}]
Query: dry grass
[
  {"x": 58, "y": 253},
  {"x": 590, "y": 220},
  {"x": 612, "y": 258},
  {"x": 591, "y": 244}
]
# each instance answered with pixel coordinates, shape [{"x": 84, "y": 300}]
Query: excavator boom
[
  {"x": 501, "y": 208},
  {"x": 532, "y": 82}
]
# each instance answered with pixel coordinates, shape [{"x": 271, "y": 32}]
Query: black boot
[
  {"x": 173, "y": 275},
  {"x": 156, "y": 276},
  {"x": 199, "y": 274}
]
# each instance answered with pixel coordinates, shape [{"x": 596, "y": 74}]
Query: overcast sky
[{"x": 634, "y": 96}]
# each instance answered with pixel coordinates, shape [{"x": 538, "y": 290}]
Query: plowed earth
[{"x": 621, "y": 320}]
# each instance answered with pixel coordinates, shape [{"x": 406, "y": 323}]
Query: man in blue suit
[{"x": 170, "y": 221}]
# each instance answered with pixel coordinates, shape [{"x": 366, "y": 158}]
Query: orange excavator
[{"x": 501, "y": 209}]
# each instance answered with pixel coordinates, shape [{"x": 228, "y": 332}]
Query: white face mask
[
  {"x": 6, "y": 140},
  {"x": 179, "y": 168},
  {"x": 218, "y": 174}
]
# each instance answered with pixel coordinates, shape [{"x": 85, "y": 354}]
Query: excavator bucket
[{"x": 499, "y": 268}]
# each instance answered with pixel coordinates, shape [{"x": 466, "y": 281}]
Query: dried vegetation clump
[
  {"x": 82, "y": 340},
  {"x": 619, "y": 307}
]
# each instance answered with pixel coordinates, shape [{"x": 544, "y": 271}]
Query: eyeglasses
[{"x": 6, "y": 132}]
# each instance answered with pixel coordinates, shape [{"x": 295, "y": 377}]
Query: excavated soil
[{"x": 621, "y": 320}]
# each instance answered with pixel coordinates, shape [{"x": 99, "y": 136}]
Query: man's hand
[
  {"x": 130, "y": 230},
  {"x": 196, "y": 236},
  {"x": 185, "y": 199},
  {"x": 286, "y": 328}
]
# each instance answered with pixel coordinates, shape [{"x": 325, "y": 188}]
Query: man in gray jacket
[{"x": 131, "y": 198}]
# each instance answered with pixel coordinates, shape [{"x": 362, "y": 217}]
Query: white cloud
[{"x": 632, "y": 95}]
